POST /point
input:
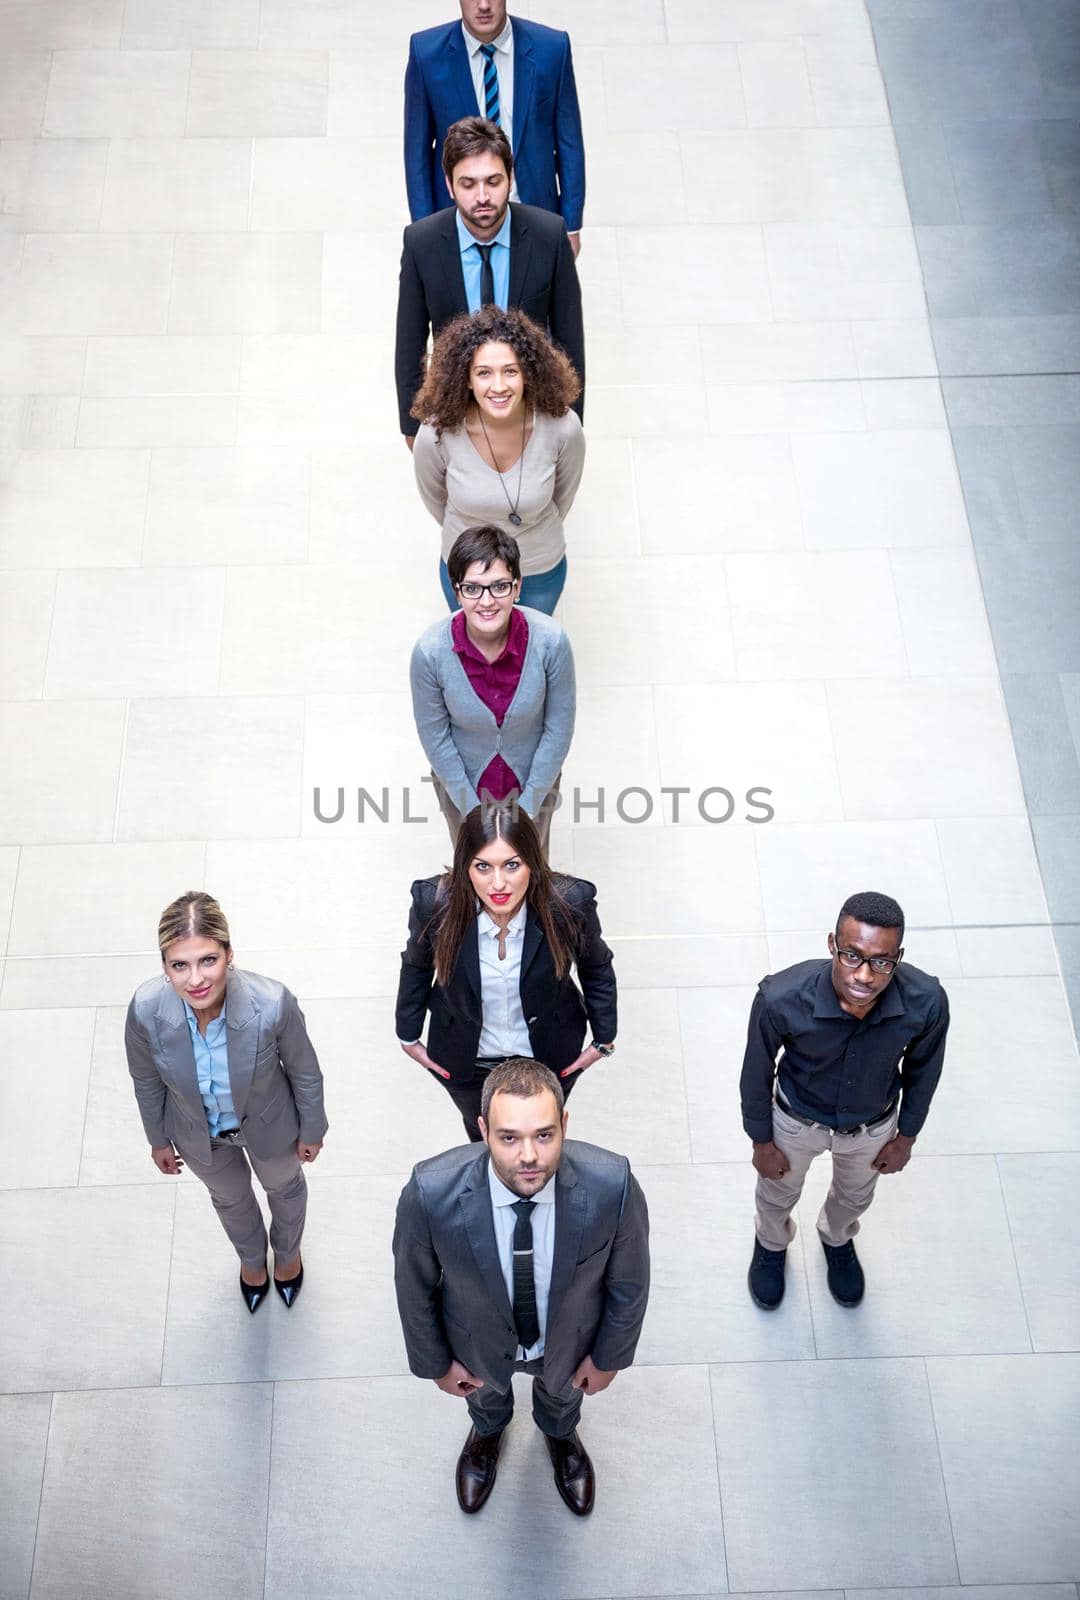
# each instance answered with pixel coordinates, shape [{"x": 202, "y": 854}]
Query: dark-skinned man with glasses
[{"x": 860, "y": 1040}]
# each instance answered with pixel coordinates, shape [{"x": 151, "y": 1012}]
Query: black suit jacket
[
  {"x": 431, "y": 291},
  {"x": 556, "y": 1012},
  {"x": 451, "y": 1292}
]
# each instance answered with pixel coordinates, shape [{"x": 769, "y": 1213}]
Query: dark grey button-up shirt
[{"x": 835, "y": 1068}]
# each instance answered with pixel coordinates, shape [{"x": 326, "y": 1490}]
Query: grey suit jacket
[
  {"x": 451, "y": 1292},
  {"x": 277, "y": 1086}
]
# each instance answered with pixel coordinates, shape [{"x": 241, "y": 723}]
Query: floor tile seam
[
  {"x": 86, "y": 1098},
  {"x": 269, "y": 1484},
  {"x": 941, "y": 1465},
  {"x": 613, "y": 938},
  {"x": 41, "y": 1492},
  {"x": 719, "y": 1478},
  {"x": 706, "y": 1363},
  {"x": 1012, "y": 1248},
  {"x": 679, "y": 1043},
  {"x": 168, "y": 1286}
]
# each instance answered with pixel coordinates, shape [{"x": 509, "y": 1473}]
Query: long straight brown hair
[{"x": 455, "y": 906}]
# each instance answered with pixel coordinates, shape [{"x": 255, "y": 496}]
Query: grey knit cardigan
[{"x": 459, "y": 733}]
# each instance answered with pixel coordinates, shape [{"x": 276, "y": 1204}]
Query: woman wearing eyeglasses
[
  {"x": 489, "y": 955},
  {"x": 498, "y": 443},
  {"x": 493, "y": 689}
]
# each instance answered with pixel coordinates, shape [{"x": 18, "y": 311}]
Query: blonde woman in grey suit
[{"x": 225, "y": 1075}]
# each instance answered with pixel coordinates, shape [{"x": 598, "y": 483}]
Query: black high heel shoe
[
  {"x": 290, "y": 1289},
  {"x": 254, "y": 1293}
]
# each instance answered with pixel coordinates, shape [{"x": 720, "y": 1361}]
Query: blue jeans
[{"x": 541, "y": 590}]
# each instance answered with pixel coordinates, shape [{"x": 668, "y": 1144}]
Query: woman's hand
[
  {"x": 584, "y": 1060},
  {"x": 166, "y": 1160},
  {"x": 418, "y": 1053}
]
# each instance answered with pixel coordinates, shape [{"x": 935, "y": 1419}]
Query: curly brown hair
[{"x": 551, "y": 384}]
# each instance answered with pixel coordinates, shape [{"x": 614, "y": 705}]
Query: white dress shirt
[
  {"x": 503, "y": 1031},
  {"x": 543, "y": 1232},
  {"x": 504, "y": 66}
]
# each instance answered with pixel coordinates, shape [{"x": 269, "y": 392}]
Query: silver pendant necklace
[{"x": 513, "y": 519}]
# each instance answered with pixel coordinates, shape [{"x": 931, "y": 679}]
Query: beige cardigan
[{"x": 462, "y": 491}]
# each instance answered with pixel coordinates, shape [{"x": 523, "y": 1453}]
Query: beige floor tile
[
  {"x": 116, "y": 94},
  {"x": 51, "y": 185},
  {"x": 26, "y": 601},
  {"x": 177, "y": 185},
  {"x": 263, "y": 93},
  {"x": 237, "y": 283},
  {"x": 24, "y": 81},
  {"x": 43, "y": 744},
  {"x": 148, "y": 631},
  {"x": 227, "y": 507},
  {"x": 98, "y": 898},
  {"x": 44, "y": 1070},
  {"x": 190, "y": 24}
]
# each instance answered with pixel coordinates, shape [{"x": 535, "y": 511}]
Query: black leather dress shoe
[
  {"x": 765, "y": 1278},
  {"x": 574, "y": 1476},
  {"x": 476, "y": 1468},
  {"x": 847, "y": 1284},
  {"x": 254, "y": 1293},
  {"x": 290, "y": 1289}
]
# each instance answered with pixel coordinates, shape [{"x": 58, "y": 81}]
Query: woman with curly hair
[
  {"x": 499, "y": 444},
  {"x": 489, "y": 956}
]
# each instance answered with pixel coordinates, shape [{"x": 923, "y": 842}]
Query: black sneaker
[
  {"x": 846, "y": 1281},
  {"x": 766, "y": 1277}
]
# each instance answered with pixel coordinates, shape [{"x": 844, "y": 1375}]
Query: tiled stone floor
[{"x": 212, "y": 566}]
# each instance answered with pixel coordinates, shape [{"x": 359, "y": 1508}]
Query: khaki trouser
[
  {"x": 228, "y": 1177},
  {"x": 541, "y": 821},
  {"x": 853, "y": 1178}
]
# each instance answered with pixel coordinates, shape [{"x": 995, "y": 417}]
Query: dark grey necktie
[
  {"x": 487, "y": 276},
  {"x": 526, "y": 1320}
]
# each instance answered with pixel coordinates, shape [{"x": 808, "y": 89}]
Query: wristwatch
[{"x": 604, "y": 1049}]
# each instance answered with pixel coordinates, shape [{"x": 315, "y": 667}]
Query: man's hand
[
  {"x": 584, "y": 1060},
  {"x": 575, "y": 243},
  {"x": 418, "y": 1053},
  {"x": 771, "y": 1161},
  {"x": 894, "y": 1156},
  {"x": 308, "y": 1152},
  {"x": 591, "y": 1379},
  {"x": 458, "y": 1381},
  {"x": 410, "y": 440},
  {"x": 166, "y": 1160}
]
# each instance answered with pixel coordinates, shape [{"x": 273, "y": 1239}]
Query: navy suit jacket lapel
[
  {"x": 459, "y": 78},
  {"x": 571, "y": 1201},
  {"x": 480, "y": 1231},
  {"x": 524, "y": 73}
]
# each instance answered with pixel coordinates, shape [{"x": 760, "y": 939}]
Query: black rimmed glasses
[
  {"x": 855, "y": 958},
  {"x": 497, "y": 590}
]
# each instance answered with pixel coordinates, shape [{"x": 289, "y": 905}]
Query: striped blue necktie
[{"x": 491, "y": 84}]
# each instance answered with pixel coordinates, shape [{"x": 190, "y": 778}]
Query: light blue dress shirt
[
  {"x": 212, "y": 1065},
  {"x": 470, "y": 263},
  {"x": 543, "y": 1232}
]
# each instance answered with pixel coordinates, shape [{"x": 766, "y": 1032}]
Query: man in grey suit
[{"x": 531, "y": 1256}]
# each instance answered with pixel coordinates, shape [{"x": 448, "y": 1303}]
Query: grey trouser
[
  {"x": 542, "y": 819},
  {"x": 853, "y": 1178},
  {"x": 228, "y": 1177},
  {"x": 555, "y": 1414}
]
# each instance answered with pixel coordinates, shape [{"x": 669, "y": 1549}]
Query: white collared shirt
[
  {"x": 543, "y": 1232},
  {"x": 504, "y": 1031},
  {"x": 504, "y": 66}
]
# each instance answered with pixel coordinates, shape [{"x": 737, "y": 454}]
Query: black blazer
[
  {"x": 431, "y": 291},
  {"x": 556, "y": 1012}
]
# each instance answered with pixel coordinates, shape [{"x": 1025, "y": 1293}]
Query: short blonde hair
[{"x": 195, "y": 915}]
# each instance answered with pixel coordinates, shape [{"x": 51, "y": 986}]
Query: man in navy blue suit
[{"x": 518, "y": 74}]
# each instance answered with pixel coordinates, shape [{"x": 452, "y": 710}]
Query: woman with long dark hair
[
  {"x": 498, "y": 443},
  {"x": 490, "y": 951}
]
